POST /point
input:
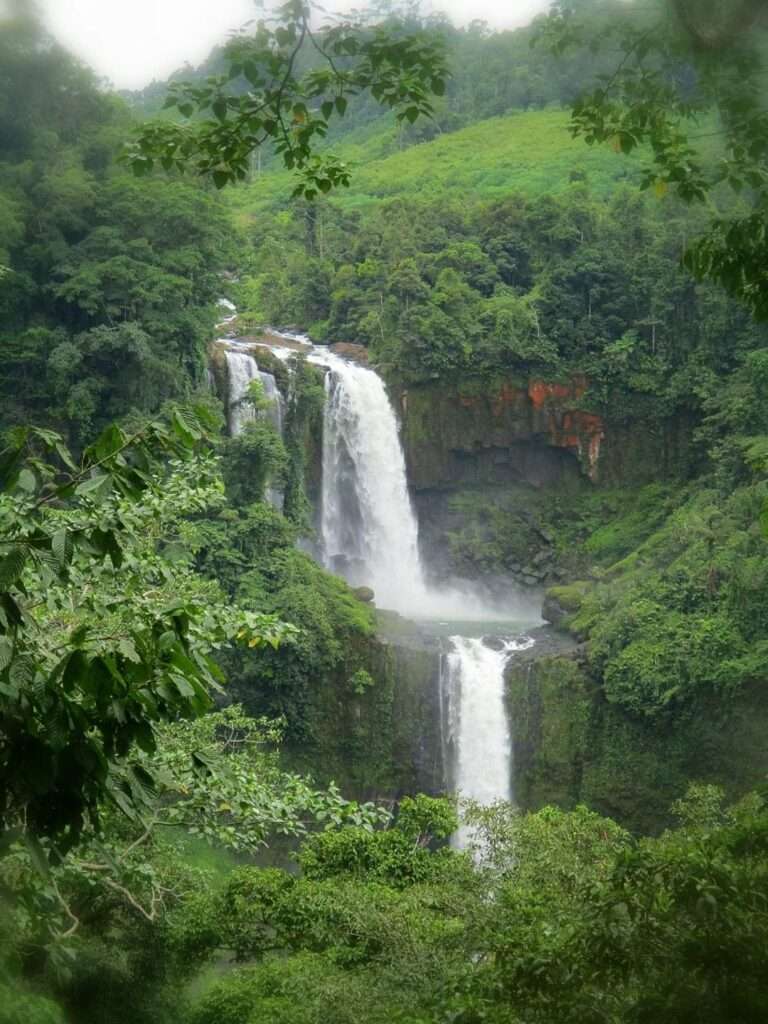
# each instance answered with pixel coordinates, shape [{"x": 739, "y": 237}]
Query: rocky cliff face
[
  {"x": 494, "y": 434},
  {"x": 531, "y": 431},
  {"x": 382, "y": 741},
  {"x": 573, "y": 746},
  {"x": 521, "y": 443}
]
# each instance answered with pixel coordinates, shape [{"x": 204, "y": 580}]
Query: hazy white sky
[{"x": 133, "y": 41}]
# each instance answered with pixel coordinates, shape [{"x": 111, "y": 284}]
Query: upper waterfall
[{"x": 368, "y": 526}]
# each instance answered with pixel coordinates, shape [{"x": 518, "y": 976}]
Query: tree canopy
[
  {"x": 265, "y": 99},
  {"x": 687, "y": 89}
]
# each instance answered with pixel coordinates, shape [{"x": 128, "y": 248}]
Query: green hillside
[{"x": 530, "y": 152}]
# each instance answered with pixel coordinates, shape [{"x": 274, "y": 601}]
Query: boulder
[{"x": 348, "y": 350}]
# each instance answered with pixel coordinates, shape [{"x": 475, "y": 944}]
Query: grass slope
[{"x": 530, "y": 153}]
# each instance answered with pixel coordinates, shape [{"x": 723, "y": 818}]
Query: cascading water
[
  {"x": 242, "y": 369},
  {"x": 476, "y": 735},
  {"x": 274, "y": 412},
  {"x": 369, "y": 534},
  {"x": 368, "y": 526},
  {"x": 276, "y": 401},
  {"x": 369, "y": 530}
]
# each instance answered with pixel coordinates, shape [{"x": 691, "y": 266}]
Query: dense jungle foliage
[
  {"x": 100, "y": 268},
  {"x": 146, "y": 582}
]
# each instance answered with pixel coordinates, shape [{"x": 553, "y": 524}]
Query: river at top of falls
[{"x": 369, "y": 530}]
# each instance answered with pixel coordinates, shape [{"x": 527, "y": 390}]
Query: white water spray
[
  {"x": 276, "y": 407},
  {"x": 368, "y": 526}
]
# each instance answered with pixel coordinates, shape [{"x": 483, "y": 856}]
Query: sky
[{"x": 130, "y": 42}]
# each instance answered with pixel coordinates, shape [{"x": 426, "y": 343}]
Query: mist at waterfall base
[{"x": 368, "y": 529}]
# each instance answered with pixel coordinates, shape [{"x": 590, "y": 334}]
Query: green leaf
[
  {"x": 11, "y": 567},
  {"x": 95, "y": 487},
  {"x": 144, "y": 735},
  {"x": 109, "y": 441},
  {"x": 187, "y": 431},
  {"x": 341, "y": 105},
  {"x": 124, "y": 802},
  {"x": 27, "y": 481},
  {"x": 10, "y": 613},
  {"x": 64, "y": 454},
  {"x": 22, "y": 672},
  {"x": 37, "y": 854},
  {"x": 6, "y": 653},
  {"x": 75, "y": 670},
  {"x": 61, "y": 546}
]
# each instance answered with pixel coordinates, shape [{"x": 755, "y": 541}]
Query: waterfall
[
  {"x": 476, "y": 734},
  {"x": 369, "y": 535},
  {"x": 368, "y": 526},
  {"x": 275, "y": 399},
  {"x": 242, "y": 369},
  {"x": 274, "y": 412}
]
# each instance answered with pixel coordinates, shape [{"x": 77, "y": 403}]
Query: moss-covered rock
[
  {"x": 572, "y": 746},
  {"x": 550, "y": 705},
  {"x": 564, "y": 601},
  {"x": 382, "y": 740}
]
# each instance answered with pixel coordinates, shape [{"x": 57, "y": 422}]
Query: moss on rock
[{"x": 572, "y": 746}]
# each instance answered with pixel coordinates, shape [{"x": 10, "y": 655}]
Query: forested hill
[
  {"x": 492, "y": 73},
  {"x": 509, "y": 285},
  {"x": 99, "y": 269}
]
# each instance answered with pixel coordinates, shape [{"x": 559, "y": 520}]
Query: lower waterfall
[{"x": 477, "y": 745}]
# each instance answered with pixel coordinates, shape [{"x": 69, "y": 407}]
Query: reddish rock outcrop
[{"x": 571, "y": 428}]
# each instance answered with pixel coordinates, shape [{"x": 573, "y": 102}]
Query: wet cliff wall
[
  {"x": 487, "y": 459},
  {"x": 379, "y": 740},
  {"x": 571, "y": 745},
  {"x": 514, "y": 430},
  {"x": 370, "y": 723}
]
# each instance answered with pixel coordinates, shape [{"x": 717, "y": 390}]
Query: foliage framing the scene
[{"x": 285, "y": 111}]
